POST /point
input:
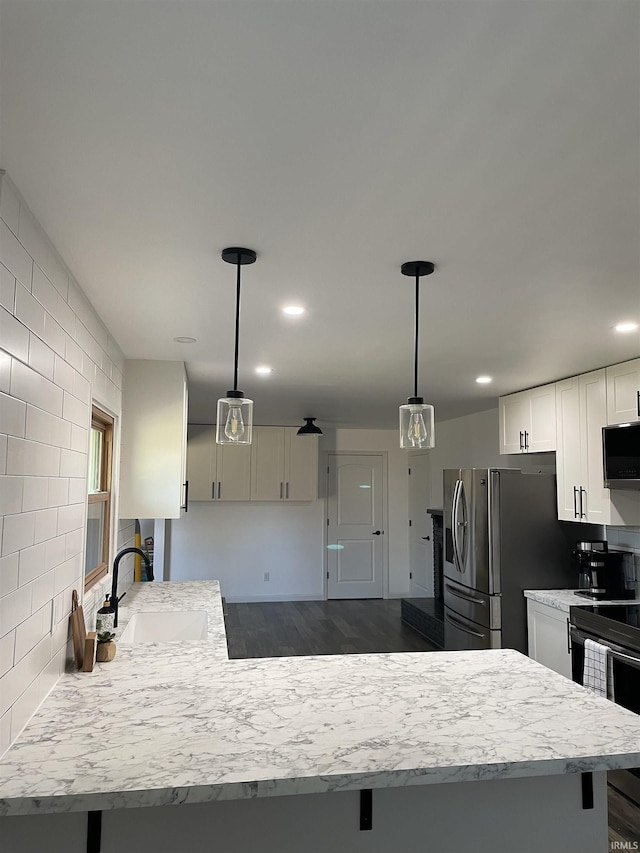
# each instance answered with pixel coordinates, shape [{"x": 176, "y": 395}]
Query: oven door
[{"x": 626, "y": 688}]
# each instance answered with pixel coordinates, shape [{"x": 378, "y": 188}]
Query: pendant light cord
[
  {"x": 415, "y": 358},
  {"x": 235, "y": 358}
]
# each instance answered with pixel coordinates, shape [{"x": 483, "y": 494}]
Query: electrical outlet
[{"x": 266, "y": 576}]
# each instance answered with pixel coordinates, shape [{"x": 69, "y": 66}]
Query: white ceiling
[{"x": 338, "y": 138}]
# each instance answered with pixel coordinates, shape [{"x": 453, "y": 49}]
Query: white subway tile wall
[{"x": 56, "y": 357}]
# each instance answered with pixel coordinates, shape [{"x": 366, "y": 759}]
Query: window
[{"x": 96, "y": 562}]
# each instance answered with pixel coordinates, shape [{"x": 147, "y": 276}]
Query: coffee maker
[{"x": 601, "y": 573}]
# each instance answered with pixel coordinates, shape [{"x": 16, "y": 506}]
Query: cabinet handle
[
  {"x": 526, "y": 440},
  {"x": 575, "y": 501},
  {"x": 638, "y": 401},
  {"x": 219, "y": 486},
  {"x": 281, "y": 491},
  {"x": 568, "y": 637},
  {"x": 186, "y": 496},
  {"x": 583, "y": 514},
  {"x": 286, "y": 492},
  {"x": 521, "y": 441},
  {"x": 213, "y": 490}
]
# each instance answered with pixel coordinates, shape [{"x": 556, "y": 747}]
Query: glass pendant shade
[
  {"x": 234, "y": 421},
  {"x": 417, "y": 425}
]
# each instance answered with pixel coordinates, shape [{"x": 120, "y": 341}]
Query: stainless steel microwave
[{"x": 621, "y": 456}]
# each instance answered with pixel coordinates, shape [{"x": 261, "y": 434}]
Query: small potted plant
[{"x": 106, "y": 650}]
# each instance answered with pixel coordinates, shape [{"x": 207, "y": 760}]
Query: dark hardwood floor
[{"x": 280, "y": 629}]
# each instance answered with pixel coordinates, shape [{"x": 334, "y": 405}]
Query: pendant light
[
  {"x": 309, "y": 428},
  {"x": 234, "y": 422},
  {"x": 417, "y": 429}
]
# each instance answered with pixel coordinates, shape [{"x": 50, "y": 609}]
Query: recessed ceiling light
[
  {"x": 185, "y": 340},
  {"x": 626, "y": 327},
  {"x": 483, "y": 380},
  {"x": 293, "y": 310},
  {"x": 263, "y": 370}
]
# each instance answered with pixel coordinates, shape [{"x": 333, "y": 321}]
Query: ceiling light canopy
[
  {"x": 626, "y": 327},
  {"x": 417, "y": 427},
  {"x": 309, "y": 428},
  {"x": 234, "y": 421},
  {"x": 293, "y": 310}
]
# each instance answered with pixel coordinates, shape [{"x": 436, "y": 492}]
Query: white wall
[
  {"x": 236, "y": 543},
  {"x": 56, "y": 356}
]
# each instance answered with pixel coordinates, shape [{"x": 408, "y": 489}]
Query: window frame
[{"x": 103, "y": 422}]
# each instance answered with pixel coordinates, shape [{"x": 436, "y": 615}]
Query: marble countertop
[
  {"x": 180, "y": 723},
  {"x": 563, "y": 599}
]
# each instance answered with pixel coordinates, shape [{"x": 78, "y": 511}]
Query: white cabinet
[
  {"x": 548, "y": 633},
  {"x": 278, "y": 466},
  {"x": 528, "y": 421},
  {"x": 623, "y": 392},
  {"x": 284, "y": 465},
  {"x": 581, "y": 406},
  {"x": 153, "y": 440},
  {"x": 219, "y": 472}
]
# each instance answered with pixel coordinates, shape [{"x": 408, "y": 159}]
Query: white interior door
[
  {"x": 356, "y": 529},
  {"x": 420, "y": 527}
]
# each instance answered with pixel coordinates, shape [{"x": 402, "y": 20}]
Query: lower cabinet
[{"x": 548, "y": 633}]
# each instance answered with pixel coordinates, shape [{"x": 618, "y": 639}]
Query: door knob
[
  {"x": 377, "y": 532},
  {"x": 426, "y": 537}
]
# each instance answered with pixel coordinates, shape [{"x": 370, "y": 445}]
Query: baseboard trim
[{"x": 250, "y": 599}]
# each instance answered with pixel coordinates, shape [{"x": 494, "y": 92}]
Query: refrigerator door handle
[
  {"x": 454, "y": 525},
  {"x": 462, "y": 627},
  {"x": 461, "y": 527},
  {"x": 473, "y": 599}
]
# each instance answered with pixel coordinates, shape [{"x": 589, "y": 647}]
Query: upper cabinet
[
  {"x": 579, "y": 408},
  {"x": 284, "y": 465},
  {"x": 528, "y": 421},
  {"x": 581, "y": 405},
  {"x": 153, "y": 440},
  {"x": 279, "y": 465},
  {"x": 216, "y": 472},
  {"x": 623, "y": 392}
]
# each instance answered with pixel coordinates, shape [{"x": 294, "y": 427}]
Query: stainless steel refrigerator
[{"x": 501, "y": 536}]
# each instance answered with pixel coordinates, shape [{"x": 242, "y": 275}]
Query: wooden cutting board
[{"x": 78, "y": 630}]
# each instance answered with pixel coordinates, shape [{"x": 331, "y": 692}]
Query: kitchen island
[{"x": 456, "y": 748}]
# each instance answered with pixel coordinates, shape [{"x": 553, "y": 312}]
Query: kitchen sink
[{"x": 172, "y": 626}]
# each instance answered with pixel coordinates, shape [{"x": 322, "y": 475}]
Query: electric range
[{"x": 616, "y": 626}]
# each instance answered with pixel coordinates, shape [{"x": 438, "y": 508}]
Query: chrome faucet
[{"x": 114, "y": 600}]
